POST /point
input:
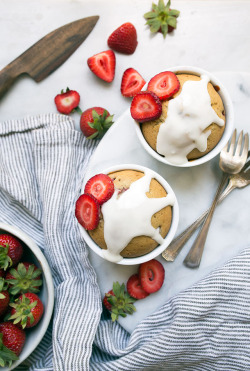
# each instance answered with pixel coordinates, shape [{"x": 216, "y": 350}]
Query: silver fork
[
  {"x": 232, "y": 160},
  {"x": 240, "y": 180}
]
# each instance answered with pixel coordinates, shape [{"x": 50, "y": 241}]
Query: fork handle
[
  {"x": 193, "y": 258},
  {"x": 178, "y": 242}
]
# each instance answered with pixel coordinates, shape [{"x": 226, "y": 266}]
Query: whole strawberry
[
  {"x": 68, "y": 101},
  {"x": 4, "y": 296},
  {"x": 27, "y": 310},
  {"x": 26, "y": 277},
  {"x": 124, "y": 39},
  {"x": 12, "y": 339},
  {"x": 162, "y": 18},
  {"x": 11, "y": 251},
  {"x": 95, "y": 121},
  {"x": 119, "y": 302}
]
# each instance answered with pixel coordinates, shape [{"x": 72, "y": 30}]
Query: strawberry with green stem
[
  {"x": 12, "y": 339},
  {"x": 4, "y": 296},
  {"x": 26, "y": 277},
  {"x": 67, "y": 102},
  {"x": 11, "y": 251},
  {"x": 27, "y": 310},
  {"x": 162, "y": 18},
  {"x": 95, "y": 121},
  {"x": 120, "y": 302}
]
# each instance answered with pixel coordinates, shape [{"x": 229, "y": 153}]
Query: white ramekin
[
  {"x": 34, "y": 335},
  {"x": 175, "y": 219},
  {"x": 229, "y": 114}
]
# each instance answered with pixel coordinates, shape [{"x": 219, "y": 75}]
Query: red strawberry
[
  {"x": 145, "y": 106},
  {"x": 26, "y": 277},
  {"x": 103, "y": 65},
  {"x": 135, "y": 289},
  {"x": 132, "y": 82},
  {"x": 2, "y": 273},
  {"x": 87, "y": 211},
  {"x": 13, "y": 337},
  {"x": 100, "y": 186},
  {"x": 11, "y": 251},
  {"x": 164, "y": 85},
  {"x": 27, "y": 310},
  {"x": 124, "y": 39},
  {"x": 119, "y": 302},
  {"x": 152, "y": 275},
  {"x": 162, "y": 18},
  {"x": 105, "y": 299},
  {"x": 4, "y": 296},
  {"x": 95, "y": 121},
  {"x": 68, "y": 101}
]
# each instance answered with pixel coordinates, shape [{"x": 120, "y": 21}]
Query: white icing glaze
[
  {"x": 189, "y": 114},
  {"x": 128, "y": 214}
]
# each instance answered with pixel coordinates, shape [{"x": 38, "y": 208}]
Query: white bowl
[
  {"x": 33, "y": 254},
  {"x": 228, "y": 106},
  {"x": 175, "y": 219}
]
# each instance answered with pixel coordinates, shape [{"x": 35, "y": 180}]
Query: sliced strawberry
[
  {"x": 103, "y": 65},
  {"x": 87, "y": 211},
  {"x": 105, "y": 299},
  {"x": 145, "y": 106},
  {"x": 135, "y": 289},
  {"x": 152, "y": 275},
  {"x": 164, "y": 85},
  {"x": 124, "y": 39},
  {"x": 68, "y": 101},
  {"x": 100, "y": 186},
  {"x": 132, "y": 82}
]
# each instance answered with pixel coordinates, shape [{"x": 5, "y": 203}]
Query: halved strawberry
[
  {"x": 68, "y": 101},
  {"x": 135, "y": 289},
  {"x": 152, "y": 274},
  {"x": 132, "y": 82},
  {"x": 124, "y": 39},
  {"x": 100, "y": 186},
  {"x": 164, "y": 84},
  {"x": 145, "y": 106},
  {"x": 87, "y": 211},
  {"x": 103, "y": 65}
]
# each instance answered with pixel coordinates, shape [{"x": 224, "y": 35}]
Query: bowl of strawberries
[{"x": 26, "y": 296}]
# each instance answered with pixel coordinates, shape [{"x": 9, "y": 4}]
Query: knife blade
[{"x": 46, "y": 55}]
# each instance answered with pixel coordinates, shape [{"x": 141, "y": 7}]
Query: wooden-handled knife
[{"x": 47, "y": 54}]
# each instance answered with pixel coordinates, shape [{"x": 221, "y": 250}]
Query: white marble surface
[
  {"x": 211, "y": 34},
  {"x": 194, "y": 188}
]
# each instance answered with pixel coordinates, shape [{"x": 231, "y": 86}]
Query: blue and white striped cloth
[{"x": 207, "y": 327}]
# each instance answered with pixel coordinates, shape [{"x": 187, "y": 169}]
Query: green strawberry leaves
[
  {"x": 161, "y": 18},
  {"x": 101, "y": 123},
  {"x": 121, "y": 302}
]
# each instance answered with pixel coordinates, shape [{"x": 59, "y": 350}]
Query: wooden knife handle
[{"x": 8, "y": 76}]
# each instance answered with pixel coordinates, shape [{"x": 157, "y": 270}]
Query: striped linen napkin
[{"x": 207, "y": 327}]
